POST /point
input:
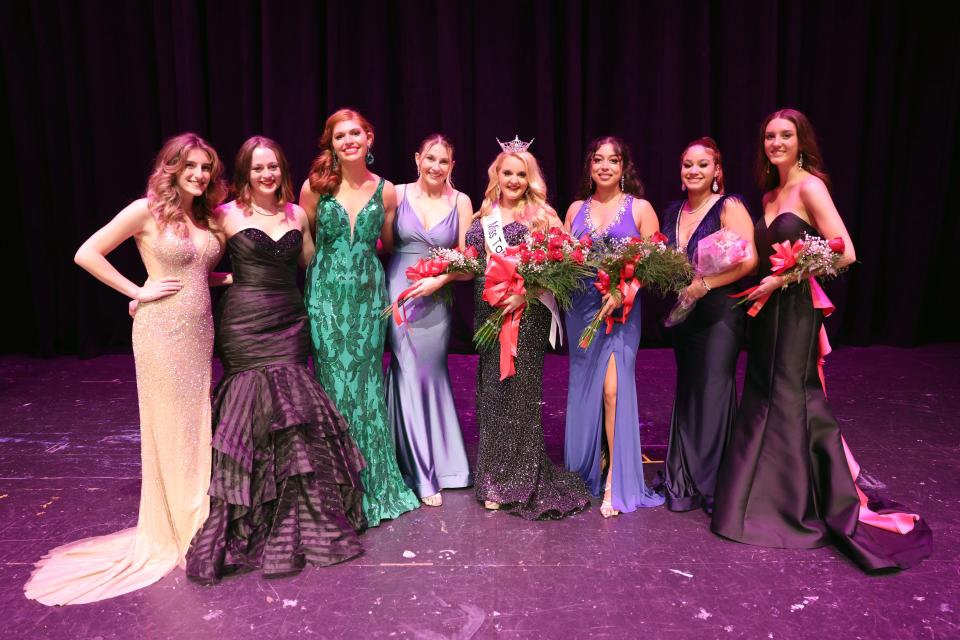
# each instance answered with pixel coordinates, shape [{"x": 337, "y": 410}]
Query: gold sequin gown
[{"x": 172, "y": 347}]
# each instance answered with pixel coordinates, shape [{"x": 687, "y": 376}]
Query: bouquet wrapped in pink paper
[{"x": 718, "y": 252}]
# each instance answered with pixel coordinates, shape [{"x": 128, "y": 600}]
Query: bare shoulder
[
  {"x": 642, "y": 207},
  {"x": 812, "y": 186},
  {"x": 463, "y": 202},
  {"x": 306, "y": 191},
  {"x": 297, "y": 211},
  {"x": 389, "y": 195},
  {"x": 573, "y": 209},
  {"x": 137, "y": 215},
  {"x": 733, "y": 203}
]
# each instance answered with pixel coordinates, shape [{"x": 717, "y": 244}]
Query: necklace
[
  {"x": 621, "y": 209},
  {"x": 696, "y": 223},
  {"x": 263, "y": 212}
]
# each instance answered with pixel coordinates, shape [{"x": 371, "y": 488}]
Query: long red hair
[{"x": 324, "y": 178}]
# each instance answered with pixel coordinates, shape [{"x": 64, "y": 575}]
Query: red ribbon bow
[
  {"x": 784, "y": 257},
  {"x": 629, "y": 286},
  {"x": 501, "y": 282},
  {"x": 424, "y": 268}
]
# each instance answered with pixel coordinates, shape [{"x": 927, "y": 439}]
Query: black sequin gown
[
  {"x": 512, "y": 466},
  {"x": 784, "y": 481},
  {"x": 285, "y": 487}
]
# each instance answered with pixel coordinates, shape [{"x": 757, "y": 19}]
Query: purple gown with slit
[{"x": 584, "y": 430}]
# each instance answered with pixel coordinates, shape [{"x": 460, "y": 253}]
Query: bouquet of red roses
[
  {"x": 625, "y": 265},
  {"x": 545, "y": 268},
  {"x": 808, "y": 258},
  {"x": 442, "y": 260}
]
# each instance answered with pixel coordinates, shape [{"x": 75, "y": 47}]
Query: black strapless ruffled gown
[
  {"x": 285, "y": 487},
  {"x": 784, "y": 481}
]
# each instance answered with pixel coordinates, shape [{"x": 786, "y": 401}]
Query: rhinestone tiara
[{"x": 516, "y": 145}]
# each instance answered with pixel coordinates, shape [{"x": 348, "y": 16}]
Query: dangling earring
[
  {"x": 768, "y": 167},
  {"x": 800, "y": 161},
  {"x": 418, "y": 172},
  {"x": 369, "y": 157},
  {"x": 336, "y": 162},
  {"x": 683, "y": 187},
  {"x": 621, "y": 182},
  {"x": 715, "y": 187},
  {"x": 498, "y": 192}
]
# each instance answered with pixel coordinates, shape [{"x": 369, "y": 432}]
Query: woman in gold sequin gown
[{"x": 172, "y": 346}]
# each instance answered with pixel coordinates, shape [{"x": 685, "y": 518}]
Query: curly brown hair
[{"x": 163, "y": 197}]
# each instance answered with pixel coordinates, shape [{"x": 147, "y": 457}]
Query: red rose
[
  {"x": 539, "y": 256},
  {"x": 471, "y": 252},
  {"x": 658, "y": 237},
  {"x": 836, "y": 245},
  {"x": 556, "y": 255},
  {"x": 555, "y": 243},
  {"x": 586, "y": 241},
  {"x": 525, "y": 255},
  {"x": 577, "y": 255},
  {"x": 538, "y": 237},
  {"x": 555, "y": 231},
  {"x": 636, "y": 240},
  {"x": 512, "y": 251}
]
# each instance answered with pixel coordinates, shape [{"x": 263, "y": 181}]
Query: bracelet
[{"x": 706, "y": 287}]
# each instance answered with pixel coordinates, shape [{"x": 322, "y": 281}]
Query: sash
[
  {"x": 493, "y": 238},
  {"x": 496, "y": 243}
]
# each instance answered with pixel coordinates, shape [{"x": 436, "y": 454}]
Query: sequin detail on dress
[
  {"x": 512, "y": 465},
  {"x": 172, "y": 348},
  {"x": 345, "y": 294}
]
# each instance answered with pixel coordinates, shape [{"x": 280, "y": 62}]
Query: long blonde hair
[
  {"x": 535, "y": 212},
  {"x": 163, "y": 198}
]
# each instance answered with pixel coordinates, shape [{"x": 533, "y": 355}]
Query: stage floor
[{"x": 69, "y": 468}]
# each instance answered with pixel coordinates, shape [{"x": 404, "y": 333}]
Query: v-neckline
[
  {"x": 417, "y": 215},
  {"x": 356, "y": 217},
  {"x": 199, "y": 251},
  {"x": 697, "y": 227}
]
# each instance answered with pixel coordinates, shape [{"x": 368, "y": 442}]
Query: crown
[{"x": 516, "y": 145}]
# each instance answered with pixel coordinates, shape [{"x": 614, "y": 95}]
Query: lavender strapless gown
[
  {"x": 584, "y": 431},
  {"x": 430, "y": 451}
]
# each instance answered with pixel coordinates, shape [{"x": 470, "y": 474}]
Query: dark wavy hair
[
  {"x": 631, "y": 182},
  {"x": 769, "y": 178},
  {"x": 711, "y": 145},
  {"x": 241, "y": 171}
]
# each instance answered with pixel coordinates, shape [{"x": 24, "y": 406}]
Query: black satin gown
[
  {"x": 285, "y": 487},
  {"x": 784, "y": 481},
  {"x": 706, "y": 346}
]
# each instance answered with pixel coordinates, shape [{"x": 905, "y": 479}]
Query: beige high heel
[
  {"x": 435, "y": 500},
  {"x": 606, "y": 507}
]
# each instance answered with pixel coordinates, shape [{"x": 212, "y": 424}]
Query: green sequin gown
[{"x": 345, "y": 292}]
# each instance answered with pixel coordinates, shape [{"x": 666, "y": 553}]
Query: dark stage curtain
[{"x": 91, "y": 89}]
